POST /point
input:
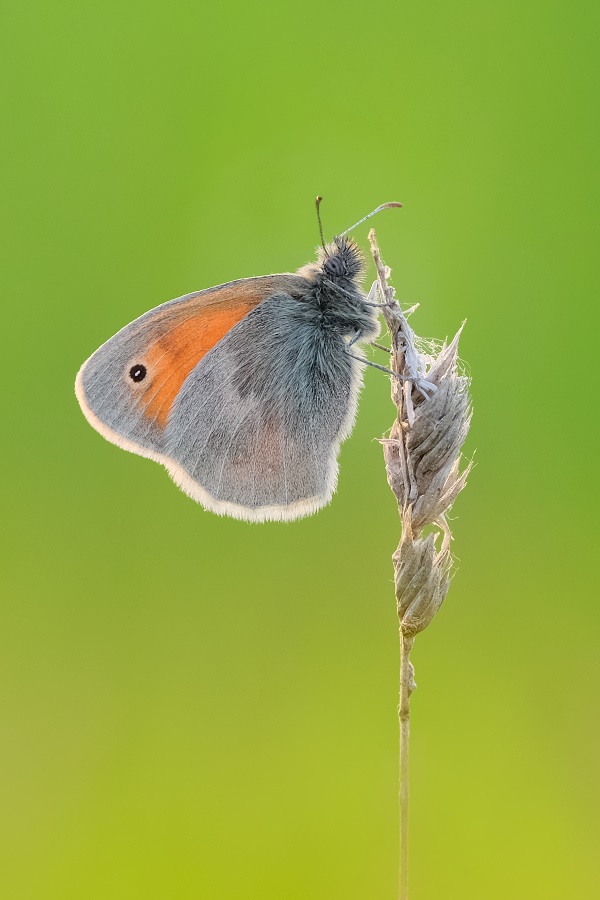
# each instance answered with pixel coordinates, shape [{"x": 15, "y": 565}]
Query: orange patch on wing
[{"x": 193, "y": 330}]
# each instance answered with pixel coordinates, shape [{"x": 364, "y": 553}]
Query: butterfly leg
[
  {"x": 421, "y": 384},
  {"x": 370, "y": 301},
  {"x": 371, "y": 343},
  {"x": 357, "y": 337},
  {"x": 380, "y": 346}
]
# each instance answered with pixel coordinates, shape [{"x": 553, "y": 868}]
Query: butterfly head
[{"x": 341, "y": 260}]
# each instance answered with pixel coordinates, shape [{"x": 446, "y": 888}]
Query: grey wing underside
[{"x": 255, "y": 430}]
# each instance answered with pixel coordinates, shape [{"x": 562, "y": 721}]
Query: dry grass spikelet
[{"x": 422, "y": 457}]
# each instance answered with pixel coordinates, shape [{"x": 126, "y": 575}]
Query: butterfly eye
[
  {"x": 335, "y": 266},
  {"x": 137, "y": 372}
]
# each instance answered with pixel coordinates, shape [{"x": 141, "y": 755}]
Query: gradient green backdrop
[{"x": 194, "y": 707}]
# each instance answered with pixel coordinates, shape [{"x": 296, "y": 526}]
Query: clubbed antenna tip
[{"x": 389, "y": 205}]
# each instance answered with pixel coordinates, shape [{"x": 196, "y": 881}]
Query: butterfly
[{"x": 243, "y": 391}]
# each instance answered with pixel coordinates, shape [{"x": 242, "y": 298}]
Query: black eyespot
[{"x": 137, "y": 372}]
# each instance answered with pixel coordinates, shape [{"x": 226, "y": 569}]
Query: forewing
[{"x": 168, "y": 342}]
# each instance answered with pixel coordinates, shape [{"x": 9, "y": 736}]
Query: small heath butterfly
[{"x": 244, "y": 391}]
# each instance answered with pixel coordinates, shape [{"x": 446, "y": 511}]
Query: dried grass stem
[{"x": 422, "y": 456}]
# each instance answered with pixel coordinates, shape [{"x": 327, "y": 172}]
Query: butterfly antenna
[
  {"x": 379, "y": 208},
  {"x": 318, "y": 203}
]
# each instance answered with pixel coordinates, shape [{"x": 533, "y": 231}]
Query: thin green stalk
[{"x": 406, "y": 688}]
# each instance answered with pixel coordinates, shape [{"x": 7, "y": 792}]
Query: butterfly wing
[
  {"x": 164, "y": 345},
  {"x": 256, "y": 428},
  {"x": 238, "y": 397}
]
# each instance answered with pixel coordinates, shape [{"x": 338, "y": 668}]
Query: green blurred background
[{"x": 194, "y": 707}]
